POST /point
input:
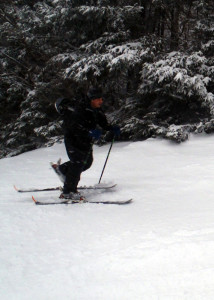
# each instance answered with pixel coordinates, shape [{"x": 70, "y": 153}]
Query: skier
[{"x": 80, "y": 126}]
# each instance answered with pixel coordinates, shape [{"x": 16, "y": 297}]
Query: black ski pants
[{"x": 79, "y": 162}]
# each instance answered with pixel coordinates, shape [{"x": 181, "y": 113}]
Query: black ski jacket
[{"x": 78, "y": 122}]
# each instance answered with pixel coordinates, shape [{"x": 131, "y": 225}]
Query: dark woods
[{"x": 153, "y": 59}]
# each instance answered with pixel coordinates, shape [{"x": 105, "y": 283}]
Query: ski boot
[
  {"x": 55, "y": 167},
  {"x": 75, "y": 197}
]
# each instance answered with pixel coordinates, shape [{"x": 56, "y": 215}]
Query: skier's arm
[
  {"x": 102, "y": 121},
  {"x": 108, "y": 127}
]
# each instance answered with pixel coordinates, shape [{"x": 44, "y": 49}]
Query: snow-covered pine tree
[{"x": 153, "y": 59}]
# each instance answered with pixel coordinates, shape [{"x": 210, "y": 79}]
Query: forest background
[{"x": 153, "y": 60}]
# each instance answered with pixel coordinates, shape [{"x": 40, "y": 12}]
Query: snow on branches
[
  {"x": 180, "y": 75},
  {"x": 116, "y": 59}
]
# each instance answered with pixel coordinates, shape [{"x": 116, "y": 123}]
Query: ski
[
  {"x": 95, "y": 187},
  {"x": 70, "y": 201},
  {"x": 37, "y": 190}
]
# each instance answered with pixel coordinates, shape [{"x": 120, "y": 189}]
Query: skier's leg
[
  {"x": 74, "y": 170},
  {"x": 89, "y": 160},
  {"x": 63, "y": 168}
]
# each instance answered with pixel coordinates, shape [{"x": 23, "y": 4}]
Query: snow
[
  {"x": 159, "y": 247},
  {"x": 179, "y": 76}
]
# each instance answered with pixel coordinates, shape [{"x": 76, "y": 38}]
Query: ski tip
[
  {"x": 59, "y": 161},
  {"x": 127, "y": 201},
  {"x": 34, "y": 200},
  {"x": 15, "y": 188}
]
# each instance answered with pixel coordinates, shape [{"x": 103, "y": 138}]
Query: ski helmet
[{"x": 94, "y": 93}]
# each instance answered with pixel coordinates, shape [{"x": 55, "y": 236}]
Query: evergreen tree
[{"x": 154, "y": 60}]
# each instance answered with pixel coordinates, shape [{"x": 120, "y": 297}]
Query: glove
[
  {"x": 116, "y": 130},
  {"x": 95, "y": 133}
]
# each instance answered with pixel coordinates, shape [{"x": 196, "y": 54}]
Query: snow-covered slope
[{"x": 159, "y": 247}]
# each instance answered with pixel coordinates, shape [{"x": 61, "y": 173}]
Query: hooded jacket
[{"x": 78, "y": 122}]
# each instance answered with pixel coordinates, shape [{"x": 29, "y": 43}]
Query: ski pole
[{"x": 106, "y": 159}]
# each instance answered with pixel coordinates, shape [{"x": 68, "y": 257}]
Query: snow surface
[{"x": 159, "y": 247}]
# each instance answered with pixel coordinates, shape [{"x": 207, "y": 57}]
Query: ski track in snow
[{"x": 159, "y": 247}]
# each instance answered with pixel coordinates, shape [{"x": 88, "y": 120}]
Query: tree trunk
[{"x": 174, "y": 39}]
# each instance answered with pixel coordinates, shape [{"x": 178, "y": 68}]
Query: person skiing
[{"x": 80, "y": 129}]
